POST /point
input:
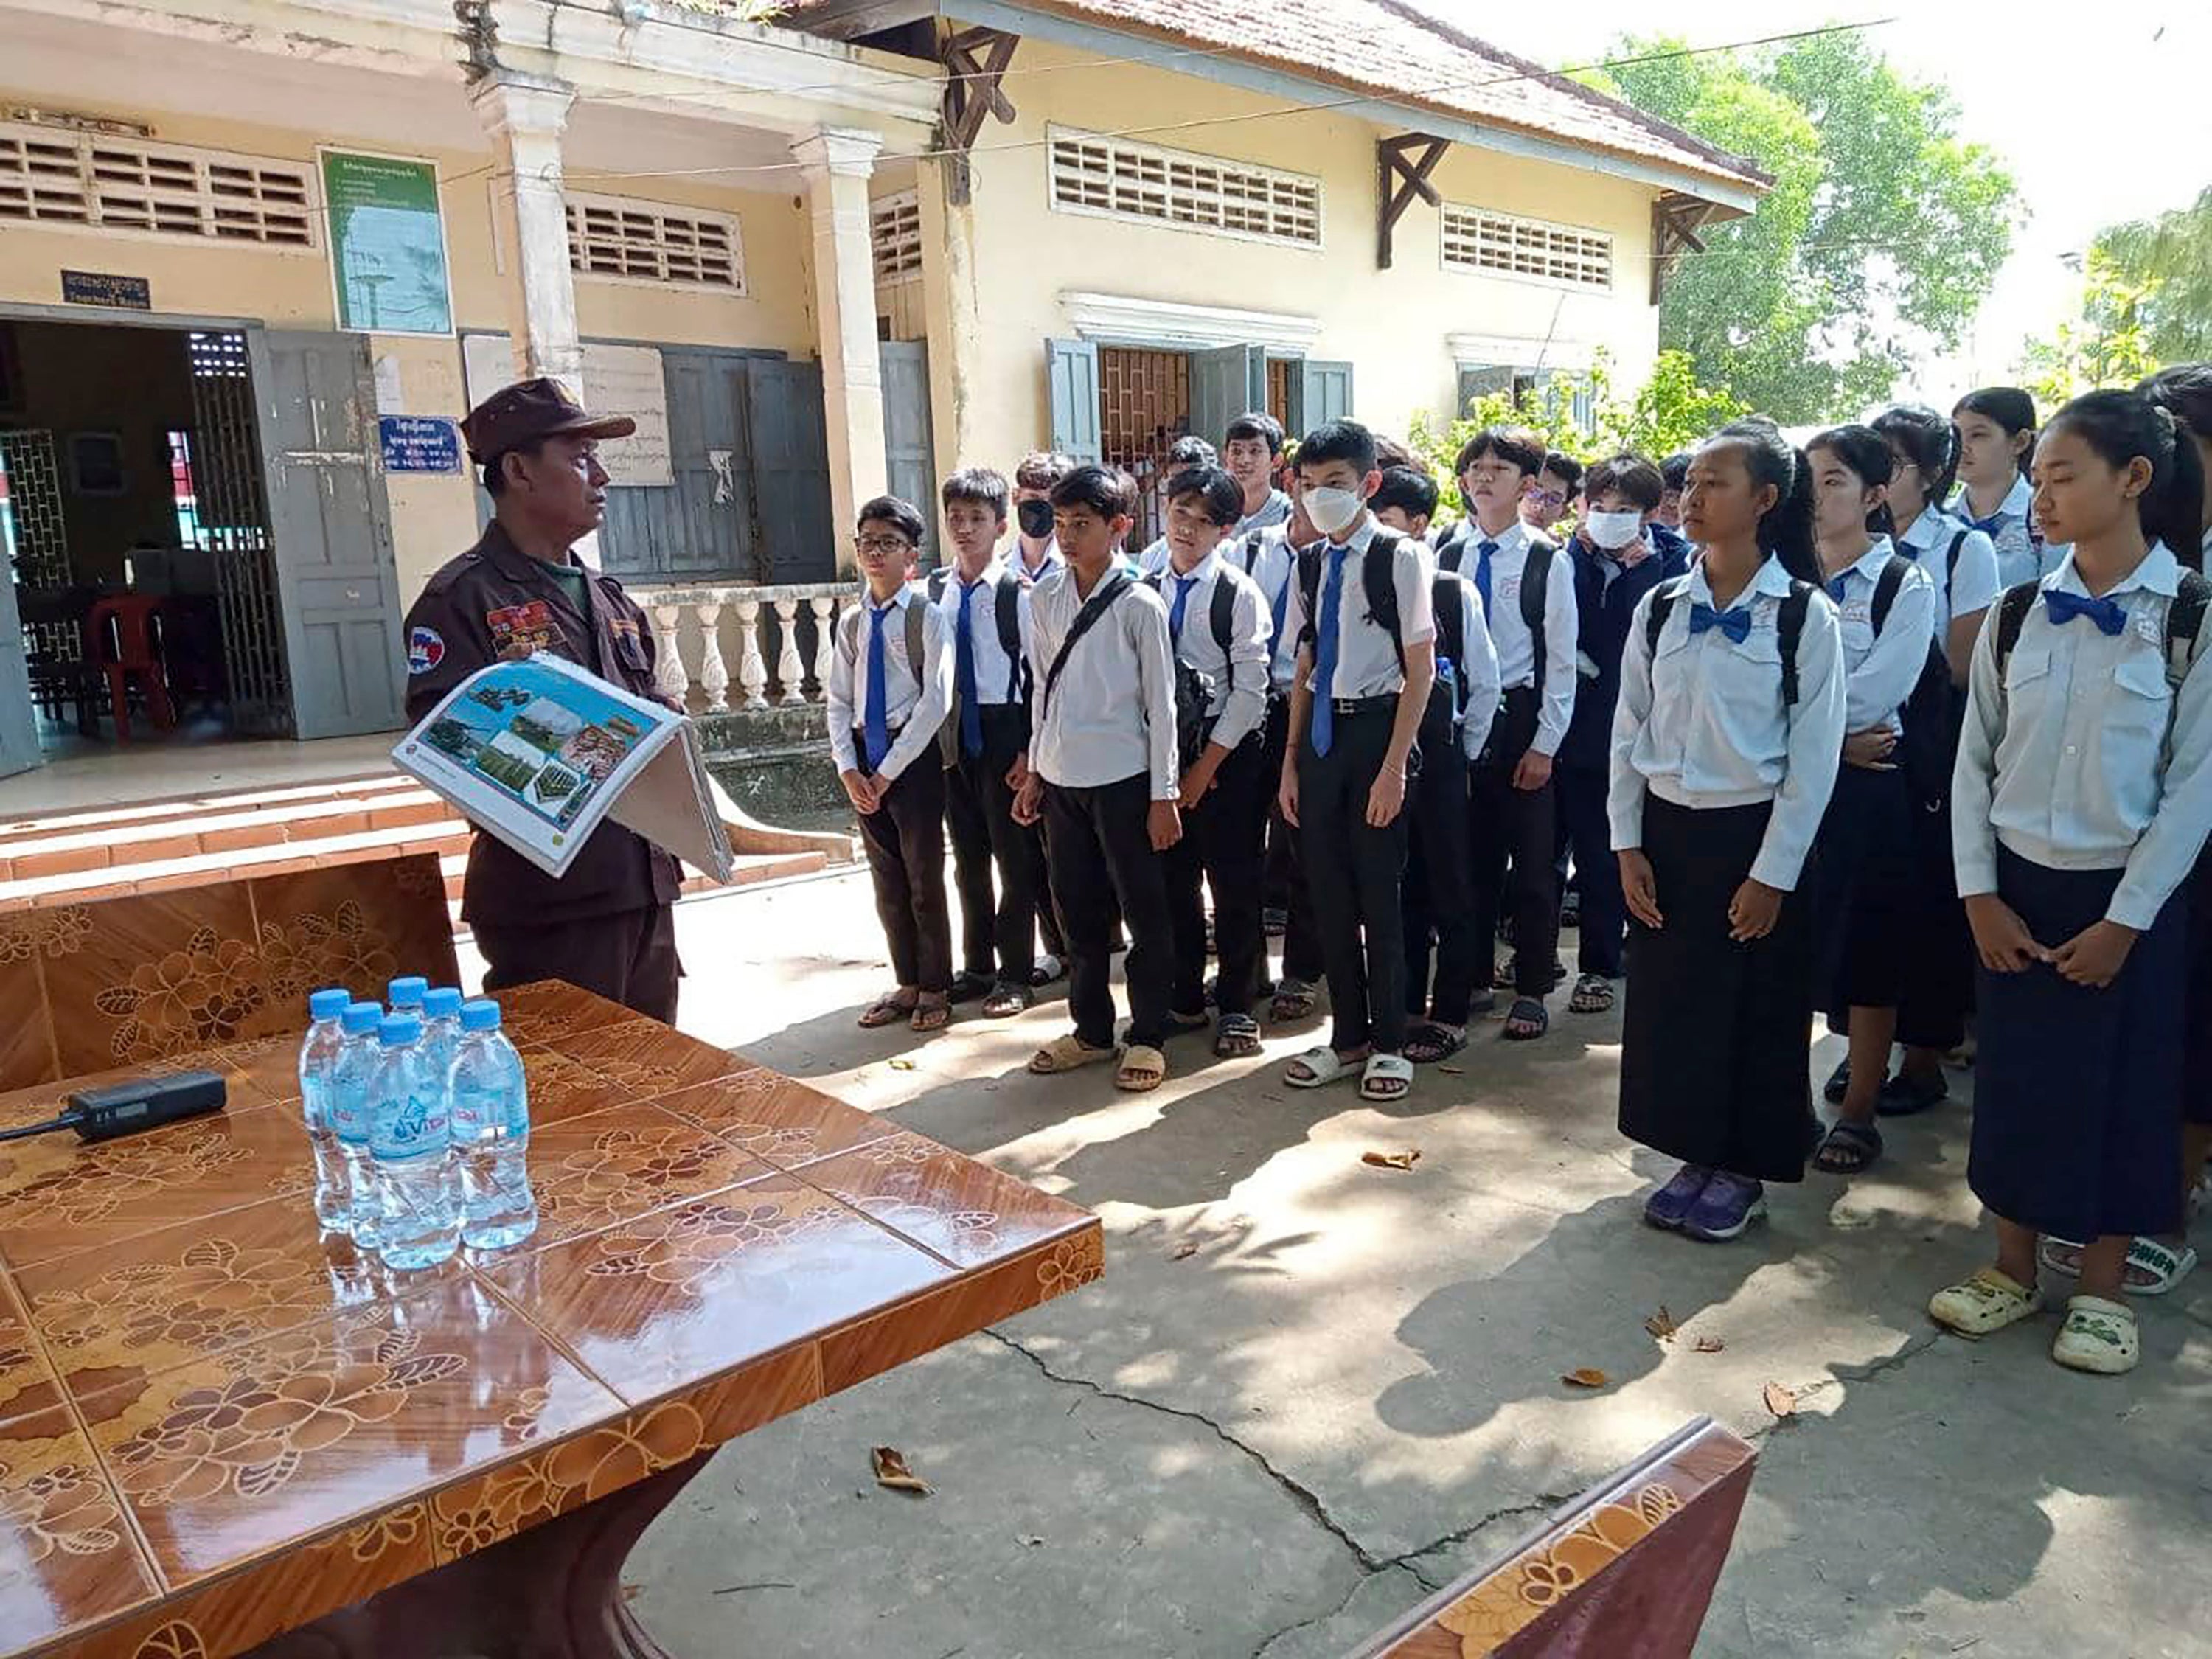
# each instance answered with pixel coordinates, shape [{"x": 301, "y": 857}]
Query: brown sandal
[
  {"x": 930, "y": 1015},
  {"x": 888, "y": 1009},
  {"x": 1141, "y": 1071},
  {"x": 1065, "y": 1053}
]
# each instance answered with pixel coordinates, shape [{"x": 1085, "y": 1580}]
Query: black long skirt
[
  {"x": 2076, "y": 1092},
  {"x": 2197, "y": 1022},
  {"x": 1717, "y": 1036},
  {"x": 1862, "y": 879}
]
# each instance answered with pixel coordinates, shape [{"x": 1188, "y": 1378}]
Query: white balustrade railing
[{"x": 696, "y": 629}]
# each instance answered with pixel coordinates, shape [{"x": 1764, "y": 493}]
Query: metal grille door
[
  {"x": 38, "y": 533},
  {"x": 234, "y": 513},
  {"x": 1143, "y": 407}
]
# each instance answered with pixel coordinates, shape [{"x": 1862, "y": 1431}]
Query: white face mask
[
  {"x": 1333, "y": 511},
  {"x": 1612, "y": 531}
]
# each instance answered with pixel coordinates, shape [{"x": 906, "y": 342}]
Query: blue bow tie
[
  {"x": 1735, "y": 623},
  {"x": 2109, "y": 615},
  {"x": 1987, "y": 526}
]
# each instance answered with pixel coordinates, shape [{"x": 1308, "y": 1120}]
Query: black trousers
[
  {"x": 1353, "y": 873},
  {"x": 1439, "y": 891},
  {"x": 1050, "y": 934},
  {"x": 628, "y": 957},
  {"x": 1287, "y": 884},
  {"x": 1222, "y": 848},
  {"x": 1505, "y": 822},
  {"x": 1581, "y": 793},
  {"x": 1102, "y": 861},
  {"x": 904, "y": 838},
  {"x": 997, "y": 932}
]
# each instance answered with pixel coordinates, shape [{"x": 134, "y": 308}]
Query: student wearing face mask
[
  {"x": 1363, "y": 612},
  {"x": 1620, "y": 552},
  {"x": 1035, "y": 555}
]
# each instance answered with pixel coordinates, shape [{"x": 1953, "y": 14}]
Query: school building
[{"x": 256, "y": 256}]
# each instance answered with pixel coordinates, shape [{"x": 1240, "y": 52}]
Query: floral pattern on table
[
  {"x": 282, "y": 1405},
  {"x": 340, "y": 948},
  {"x": 680, "y": 1247},
  {"x": 189, "y": 999},
  {"x": 625, "y": 1170},
  {"x": 1553, "y": 1570},
  {"x": 54, "y": 933},
  {"x": 68, "y": 1508},
  {"x": 37, "y": 1188},
  {"x": 556, "y": 1480},
  {"x": 1072, "y": 1264}
]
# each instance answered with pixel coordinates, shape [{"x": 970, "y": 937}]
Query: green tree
[
  {"x": 2167, "y": 261},
  {"x": 1882, "y": 233},
  {"x": 2109, "y": 344}
]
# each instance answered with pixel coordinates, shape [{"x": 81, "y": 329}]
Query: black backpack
[
  {"x": 1926, "y": 750},
  {"x": 1535, "y": 587},
  {"x": 1006, "y": 609},
  {"x": 1377, "y": 579},
  {"x": 1447, "y": 698},
  {"x": 2184, "y": 630},
  {"x": 1788, "y": 626},
  {"x": 1193, "y": 688}
]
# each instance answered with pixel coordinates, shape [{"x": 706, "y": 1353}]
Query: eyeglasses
[
  {"x": 883, "y": 543},
  {"x": 1547, "y": 497}
]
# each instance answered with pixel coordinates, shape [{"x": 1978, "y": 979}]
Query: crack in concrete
[
  {"x": 1904, "y": 1356},
  {"x": 1322, "y": 1618}
]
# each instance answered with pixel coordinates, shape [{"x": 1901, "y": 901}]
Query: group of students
[{"x": 1899, "y": 729}]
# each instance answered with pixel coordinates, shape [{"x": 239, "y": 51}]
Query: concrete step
[
  {"x": 156, "y": 875},
  {"x": 228, "y": 827},
  {"x": 148, "y": 813}
]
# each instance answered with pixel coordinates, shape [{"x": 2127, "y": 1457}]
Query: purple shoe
[
  {"x": 1673, "y": 1202},
  {"x": 1728, "y": 1206}
]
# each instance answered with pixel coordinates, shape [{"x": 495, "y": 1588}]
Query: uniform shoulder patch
[{"x": 426, "y": 649}]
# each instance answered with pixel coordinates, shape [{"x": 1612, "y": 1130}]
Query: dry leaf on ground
[
  {"x": 1780, "y": 1401},
  {"x": 1453, "y": 1071},
  {"x": 1710, "y": 1345},
  {"x": 1185, "y": 1250},
  {"x": 890, "y": 1464},
  {"x": 902, "y": 1064},
  {"x": 1588, "y": 1378},
  {"x": 1404, "y": 1160},
  {"x": 1662, "y": 1324}
]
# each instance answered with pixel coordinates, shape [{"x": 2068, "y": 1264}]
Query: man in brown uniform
[{"x": 605, "y": 926}]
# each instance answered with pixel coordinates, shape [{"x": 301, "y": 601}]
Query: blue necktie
[
  {"x": 877, "y": 728},
  {"x": 1735, "y": 623},
  {"x": 1183, "y": 584},
  {"x": 2111, "y": 617},
  {"x": 1987, "y": 526},
  {"x": 1483, "y": 549},
  {"x": 1839, "y": 586},
  {"x": 1324, "y": 674},
  {"x": 971, "y": 712}
]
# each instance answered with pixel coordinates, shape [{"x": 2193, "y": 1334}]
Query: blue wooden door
[
  {"x": 789, "y": 440},
  {"x": 1072, "y": 377},
  {"x": 701, "y": 526},
  {"x": 1327, "y": 393},
  {"x": 909, "y": 456},
  {"x": 1224, "y": 384}
]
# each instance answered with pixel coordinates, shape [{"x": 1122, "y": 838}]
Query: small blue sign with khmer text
[{"x": 419, "y": 443}]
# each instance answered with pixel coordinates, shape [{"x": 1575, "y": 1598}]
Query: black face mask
[{"x": 1036, "y": 518}]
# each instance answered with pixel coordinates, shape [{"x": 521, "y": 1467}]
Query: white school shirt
[
  {"x": 1971, "y": 587},
  {"x": 1509, "y": 632},
  {"x": 1155, "y": 558},
  {"x": 1275, "y": 570},
  {"x": 1030, "y": 578},
  {"x": 2067, "y": 763},
  {"x": 1113, "y": 714},
  {"x": 1366, "y": 664},
  {"x": 2022, "y": 557},
  {"x": 1238, "y": 702},
  {"x": 1881, "y": 673},
  {"x": 1478, "y": 673},
  {"x": 1702, "y": 723},
  {"x": 1275, "y": 510},
  {"x": 995, "y": 681},
  {"x": 912, "y": 712}
]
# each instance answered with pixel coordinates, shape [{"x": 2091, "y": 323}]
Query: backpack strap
[
  {"x": 1223, "y": 615},
  {"x": 1006, "y": 605},
  {"x": 2185, "y": 626},
  {"x": 1093, "y": 608},
  {"x": 2012, "y": 613},
  {"x": 937, "y": 580},
  {"x": 1535, "y": 595},
  {"x": 1886, "y": 587},
  {"x": 1789, "y": 628},
  {"x": 1308, "y": 575},
  {"x": 1378, "y": 576},
  {"x": 1662, "y": 606},
  {"x": 917, "y": 647},
  {"x": 1951, "y": 560},
  {"x": 1449, "y": 604}
]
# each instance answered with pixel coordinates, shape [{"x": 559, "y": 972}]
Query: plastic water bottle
[
  {"x": 406, "y": 995},
  {"x": 353, "y": 1082},
  {"x": 491, "y": 1131},
  {"x": 409, "y": 1133},
  {"x": 319, "y": 1059},
  {"x": 441, "y": 1030}
]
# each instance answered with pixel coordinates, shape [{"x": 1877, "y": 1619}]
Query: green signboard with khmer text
[{"x": 387, "y": 243}]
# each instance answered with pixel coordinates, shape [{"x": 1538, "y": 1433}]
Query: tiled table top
[{"x": 214, "y": 1424}]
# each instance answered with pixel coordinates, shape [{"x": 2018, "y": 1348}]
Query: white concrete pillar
[
  {"x": 953, "y": 313},
  {"x": 837, "y": 161},
  {"x": 525, "y": 114}
]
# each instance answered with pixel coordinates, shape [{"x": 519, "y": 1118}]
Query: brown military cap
[{"x": 530, "y": 410}]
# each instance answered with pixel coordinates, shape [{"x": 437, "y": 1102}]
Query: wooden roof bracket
[
  {"x": 1675, "y": 219},
  {"x": 1404, "y": 163},
  {"x": 973, "y": 60}
]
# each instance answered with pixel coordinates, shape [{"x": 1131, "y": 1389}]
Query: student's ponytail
[
  {"x": 2184, "y": 392},
  {"x": 1785, "y": 530},
  {"x": 2120, "y": 426}
]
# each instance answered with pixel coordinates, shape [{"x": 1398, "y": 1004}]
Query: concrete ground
[{"x": 1350, "y": 1390}]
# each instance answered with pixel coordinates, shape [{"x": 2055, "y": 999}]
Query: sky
[{"x": 2100, "y": 116}]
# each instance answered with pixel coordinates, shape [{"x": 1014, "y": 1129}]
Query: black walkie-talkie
[{"x": 124, "y": 1109}]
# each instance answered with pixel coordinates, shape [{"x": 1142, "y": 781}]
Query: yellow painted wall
[
  {"x": 432, "y": 518},
  {"x": 1391, "y": 325}
]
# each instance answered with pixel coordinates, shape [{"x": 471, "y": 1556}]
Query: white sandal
[
  {"x": 2099, "y": 1337},
  {"x": 1322, "y": 1067},
  {"x": 1383, "y": 1069},
  {"x": 2166, "y": 1266},
  {"x": 1988, "y": 1302}
]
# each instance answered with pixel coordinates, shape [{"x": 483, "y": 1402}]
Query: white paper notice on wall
[
  {"x": 616, "y": 381},
  {"x": 389, "y": 399}
]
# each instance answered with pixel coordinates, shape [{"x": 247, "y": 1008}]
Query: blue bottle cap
[
  {"x": 329, "y": 1004},
  {"x": 481, "y": 1015},
  {"x": 398, "y": 1029},
  {"x": 408, "y": 992},
  {"x": 361, "y": 1018},
  {"x": 442, "y": 1003}
]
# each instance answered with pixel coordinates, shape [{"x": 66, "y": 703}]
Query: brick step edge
[{"x": 38, "y": 826}]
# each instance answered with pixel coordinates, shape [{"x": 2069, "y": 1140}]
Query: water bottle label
[
  {"x": 409, "y": 1127},
  {"x": 347, "y": 1112}
]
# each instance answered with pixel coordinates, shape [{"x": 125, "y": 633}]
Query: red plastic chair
[{"x": 122, "y": 633}]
